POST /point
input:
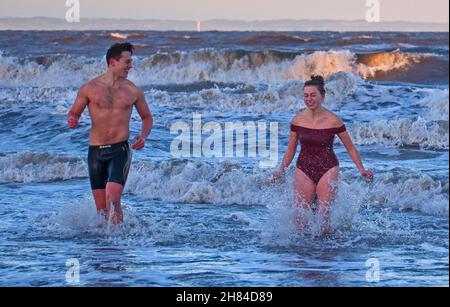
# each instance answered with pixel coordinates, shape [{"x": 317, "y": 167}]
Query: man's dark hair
[{"x": 115, "y": 51}]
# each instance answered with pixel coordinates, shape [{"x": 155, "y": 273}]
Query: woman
[{"x": 317, "y": 168}]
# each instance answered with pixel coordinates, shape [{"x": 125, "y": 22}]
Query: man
[{"x": 110, "y": 99}]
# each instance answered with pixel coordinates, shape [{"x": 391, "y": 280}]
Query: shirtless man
[{"x": 110, "y": 99}]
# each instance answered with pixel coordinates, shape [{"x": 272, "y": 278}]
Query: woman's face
[{"x": 312, "y": 97}]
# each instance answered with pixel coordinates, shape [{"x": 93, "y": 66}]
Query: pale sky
[{"x": 390, "y": 10}]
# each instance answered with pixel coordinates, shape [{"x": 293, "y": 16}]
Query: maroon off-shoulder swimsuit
[{"x": 316, "y": 155}]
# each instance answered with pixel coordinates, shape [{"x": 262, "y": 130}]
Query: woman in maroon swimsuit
[{"x": 317, "y": 168}]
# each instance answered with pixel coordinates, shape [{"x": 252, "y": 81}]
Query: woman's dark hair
[
  {"x": 115, "y": 51},
  {"x": 318, "y": 82}
]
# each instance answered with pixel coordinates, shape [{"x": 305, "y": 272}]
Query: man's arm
[
  {"x": 147, "y": 121},
  {"x": 78, "y": 107}
]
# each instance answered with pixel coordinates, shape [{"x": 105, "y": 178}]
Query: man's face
[{"x": 122, "y": 67}]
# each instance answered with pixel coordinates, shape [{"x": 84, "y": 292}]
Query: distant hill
[{"x": 44, "y": 23}]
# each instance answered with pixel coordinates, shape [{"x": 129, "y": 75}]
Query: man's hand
[
  {"x": 139, "y": 142},
  {"x": 72, "y": 120}
]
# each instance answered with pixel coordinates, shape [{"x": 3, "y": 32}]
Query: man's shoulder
[
  {"x": 86, "y": 89},
  {"x": 131, "y": 86},
  {"x": 91, "y": 84},
  {"x": 90, "y": 88}
]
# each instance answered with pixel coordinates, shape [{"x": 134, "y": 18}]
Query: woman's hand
[
  {"x": 277, "y": 176},
  {"x": 367, "y": 173}
]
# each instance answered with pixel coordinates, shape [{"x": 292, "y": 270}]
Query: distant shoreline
[{"x": 55, "y": 24}]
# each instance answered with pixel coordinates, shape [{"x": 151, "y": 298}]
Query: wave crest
[
  {"x": 208, "y": 65},
  {"x": 402, "y": 132},
  {"x": 40, "y": 167}
]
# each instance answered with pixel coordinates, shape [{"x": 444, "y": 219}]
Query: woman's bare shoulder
[
  {"x": 334, "y": 120},
  {"x": 298, "y": 119}
]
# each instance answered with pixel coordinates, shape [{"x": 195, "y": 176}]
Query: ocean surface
[{"x": 215, "y": 221}]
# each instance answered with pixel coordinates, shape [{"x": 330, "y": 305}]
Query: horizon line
[{"x": 238, "y": 20}]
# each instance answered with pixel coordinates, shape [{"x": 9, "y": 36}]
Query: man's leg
[
  {"x": 113, "y": 195},
  {"x": 118, "y": 173},
  {"x": 98, "y": 173},
  {"x": 100, "y": 200}
]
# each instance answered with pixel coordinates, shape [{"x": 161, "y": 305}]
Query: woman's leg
[
  {"x": 304, "y": 191},
  {"x": 326, "y": 194}
]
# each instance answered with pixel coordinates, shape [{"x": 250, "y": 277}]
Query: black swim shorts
[{"x": 109, "y": 163}]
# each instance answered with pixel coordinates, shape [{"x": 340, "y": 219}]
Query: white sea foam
[
  {"x": 437, "y": 102},
  {"x": 402, "y": 132},
  {"x": 81, "y": 219},
  {"x": 40, "y": 167},
  {"x": 277, "y": 98},
  {"x": 203, "y": 65},
  {"x": 228, "y": 183},
  {"x": 369, "y": 209},
  {"x": 66, "y": 71},
  {"x": 414, "y": 191}
]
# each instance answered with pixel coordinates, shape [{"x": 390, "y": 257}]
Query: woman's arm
[
  {"x": 290, "y": 151},
  {"x": 288, "y": 156},
  {"x": 354, "y": 154}
]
